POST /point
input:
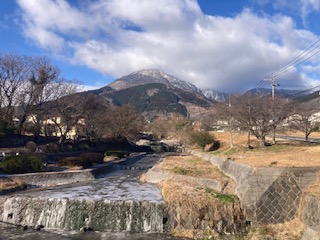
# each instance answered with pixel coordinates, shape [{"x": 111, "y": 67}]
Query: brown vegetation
[
  {"x": 10, "y": 183},
  {"x": 283, "y": 154},
  {"x": 192, "y": 166},
  {"x": 196, "y": 210},
  {"x": 292, "y": 230},
  {"x": 188, "y": 201}
]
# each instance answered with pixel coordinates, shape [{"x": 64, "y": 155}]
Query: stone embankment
[{"x": 274, "y": 194}]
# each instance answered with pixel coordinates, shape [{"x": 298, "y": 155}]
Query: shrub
[
  {"x": 75, "y": 162},
  {"x": 119, "y": 154},
  {"x": 52, "y": 147},
  {"x": 22, "y": 164},
  {"x": 92, "y": 157},
  {"x": 5, "y": 128},
  {"x": 31, "y": 146},
  {"x": 202, "y": 138}
]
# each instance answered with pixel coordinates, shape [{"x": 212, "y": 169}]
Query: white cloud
[
  {"x": 309, "y": 6},
  {"x": 117, "y": 37}
]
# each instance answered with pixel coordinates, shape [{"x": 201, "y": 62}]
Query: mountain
[
  {"x": 215, "y": 95},
  {"x": 284, "y": 93},
  {"x": 154, "y": 92},
  {"x": 153, "y": 76}
]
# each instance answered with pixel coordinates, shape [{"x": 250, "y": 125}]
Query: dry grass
[
  {"x": 191, "y": 166},
  {"x": 313, "y": 190},
  {"x": 283, "y": 154},
  {"x": 10, "y": 183},
  {"x": 196, "y": 167},
  {"x": 188, "y": 202},
  {"x": 292, "y": 230}
]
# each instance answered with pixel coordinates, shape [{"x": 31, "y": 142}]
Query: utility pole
[
  {"x": 230, "y": 123},
  {"x": 273, "y": 84},
  {"x": 272, "y": 87},
  {"x": 273, "y": 115}
]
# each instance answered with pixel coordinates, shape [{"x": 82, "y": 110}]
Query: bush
[
  {"x": 5, "y": 128},
  {"x": 22, "y": 164},
  {"x": 52, "y": 147},
  {"x": 119, "y": 154},
  {"x": 75, "y": 162},
  {"x": 93, "y": 157},
  {"x": 31, "y": 146},
  {"x": 202, "y": 138}
]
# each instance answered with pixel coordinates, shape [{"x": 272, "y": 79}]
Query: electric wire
[
  {"x": 304, "y": 91},
  {"x": 305, "y": 55},
  {"x": 292, "y": 67},
  {"x": 300, "y": 58}
]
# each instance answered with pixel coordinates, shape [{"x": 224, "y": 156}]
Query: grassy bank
[{"x": 283, "y": 154}]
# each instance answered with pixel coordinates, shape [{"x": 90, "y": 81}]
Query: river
[
  {"x": 9, "y": 232},
  {"x": 119, "y": 185}
]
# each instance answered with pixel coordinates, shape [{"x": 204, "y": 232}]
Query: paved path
[{"x": 294, "y": 138}]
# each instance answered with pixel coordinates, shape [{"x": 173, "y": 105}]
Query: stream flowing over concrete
[
  {"x": 9, "y": 232},
  {"x": 115, "y": 202}
]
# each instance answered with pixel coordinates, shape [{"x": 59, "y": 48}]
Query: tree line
[{"x": 32, "y": 93}]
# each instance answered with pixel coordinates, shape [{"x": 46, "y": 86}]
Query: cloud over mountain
[{"x": 119, "y": 37}]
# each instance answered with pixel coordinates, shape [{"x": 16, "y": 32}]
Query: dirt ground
[{"x": 284, "y": 154}]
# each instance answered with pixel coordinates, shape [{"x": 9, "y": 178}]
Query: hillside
[
  {"x": 156, "y": 97},
  {"x": 153, "y": 91}
]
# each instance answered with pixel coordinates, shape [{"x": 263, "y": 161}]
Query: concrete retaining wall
[{"x": 268, "y": 194}]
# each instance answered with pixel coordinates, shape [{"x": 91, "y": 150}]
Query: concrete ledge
[
  {"x": 154, "y": 176},
  {"x": 44, "y": 179}
]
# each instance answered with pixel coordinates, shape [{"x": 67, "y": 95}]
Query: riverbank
[
  {"x": 192, "y": 200},
  {"x": 201, "y": 200}
]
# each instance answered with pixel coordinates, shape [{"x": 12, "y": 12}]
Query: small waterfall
[{"x": 76, "y": 214}]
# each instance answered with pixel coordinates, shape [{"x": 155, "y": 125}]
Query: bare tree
[
  {"x": 13, "y": 70},
  {"x": 124, "y": 122},
  {"x": 67, "y": 112},
  {"x": 305, "y": 119},
  {"x": 96, "y": 117},
  {"x": 169, "y": 125},
  {"x": 43, "y": 85},
  {"x": 259, "y": 115}
]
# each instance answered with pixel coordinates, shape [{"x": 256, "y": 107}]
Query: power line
[
  {"x": 307, "y": 90},
  {"x": 313, "y": 49},
  {"x": 292, "y": 67},
  {"x": 297, "y": 60}
]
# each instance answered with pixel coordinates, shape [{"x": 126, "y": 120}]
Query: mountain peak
[{"x": 146, "y": 76}]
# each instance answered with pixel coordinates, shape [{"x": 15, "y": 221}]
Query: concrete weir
[
  {"x": 73, "y": 214},
  {"x": 115, "y": 202}
]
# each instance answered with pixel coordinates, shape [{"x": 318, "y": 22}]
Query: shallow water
[
  {"x": 9, "y": 232},
  {"x": 119, "y": 185}
]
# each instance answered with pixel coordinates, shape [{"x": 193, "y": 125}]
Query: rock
[{"x": 212, "y": 146}]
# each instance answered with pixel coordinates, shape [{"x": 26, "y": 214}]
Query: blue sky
[{"x": 225, "y": 45}]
